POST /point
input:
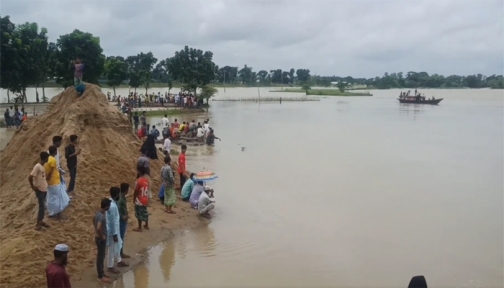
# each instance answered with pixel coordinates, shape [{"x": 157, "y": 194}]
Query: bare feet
[
  {"x": 104, "y": 279},
  {"x": 146, "y": 227},
  {"x": 206, "y": 215},
  {"x": 113, "y": 270},
  {"x": 122, "y": 264},
  {"x": 137, "y": 229},
  {"x": 125, "y": 256},
  {"x": 45, "y": 225},
  {"x": 170, "y": 211}
]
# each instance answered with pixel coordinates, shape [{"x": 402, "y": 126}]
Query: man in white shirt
[
  {"x": 206, "y": 203},
  {"x": 200, "y": 133},
  {"x": 167, "y": 146},
  {"x": 165, "y": 120}
]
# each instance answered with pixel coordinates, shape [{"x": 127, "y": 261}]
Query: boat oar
[{"x": 418, "y": 282}]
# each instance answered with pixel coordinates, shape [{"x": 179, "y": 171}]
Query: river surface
[{"x": 348, "y": 191}]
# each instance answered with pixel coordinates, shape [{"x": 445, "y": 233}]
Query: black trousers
[
  {"x": 101, "y": 246},
  {"x": 182, "y": 180},
  {"x": 73, "y": 175},
  {"x": 41, "y": 196}
]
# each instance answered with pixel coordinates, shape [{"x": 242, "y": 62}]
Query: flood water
[{"x": 359, "y": 191}]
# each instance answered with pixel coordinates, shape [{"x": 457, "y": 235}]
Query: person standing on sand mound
[{"x": 56, "y": 194}]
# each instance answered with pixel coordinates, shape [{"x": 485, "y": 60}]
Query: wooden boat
[{"x": 413, "y": 100}]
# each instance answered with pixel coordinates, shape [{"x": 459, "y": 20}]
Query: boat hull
[{"x": 429, "y": 102}]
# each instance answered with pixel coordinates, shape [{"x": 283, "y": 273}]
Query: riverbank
[
  {"x": 323, "y": 92},
  {"x": 153, "y": 112}
]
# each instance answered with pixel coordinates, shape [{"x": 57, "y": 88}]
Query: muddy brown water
[{"x": 345, "y": 192}]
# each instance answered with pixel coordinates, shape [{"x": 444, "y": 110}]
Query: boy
[
  {"x": 141, "y": 199},
  {"x": 78, "y": 71},
  {"x": 123, "y": 213},
  {"x": 100, "y": 225},
  {"x": 38, "y": 184},
  {"x": 182, "y": 166}
]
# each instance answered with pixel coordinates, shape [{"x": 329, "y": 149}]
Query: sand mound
[{"x": 109, "y": 153}]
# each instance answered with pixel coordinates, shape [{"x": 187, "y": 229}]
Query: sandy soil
[{"x": 110, "y": 150}]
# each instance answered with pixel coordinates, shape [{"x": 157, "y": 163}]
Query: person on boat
[{"x": 211, "y": 137}]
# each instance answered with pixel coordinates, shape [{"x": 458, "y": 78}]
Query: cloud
[{"x": 362, "y": 38}]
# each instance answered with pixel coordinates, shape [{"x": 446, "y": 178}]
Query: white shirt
[
  {"x": 167, "y": 145},
  {"x": 200, "y": 132},
  {"x": 204, "y": 201},
  {"x": 206, "y": 126},
  {"x": 165, "y": 121}
]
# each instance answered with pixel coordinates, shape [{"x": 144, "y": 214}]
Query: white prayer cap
[
  {"x": 207, "y": 188},
  {"x": 61, "y": 248}
]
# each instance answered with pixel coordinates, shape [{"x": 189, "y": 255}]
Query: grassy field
[
  {"x": 324, "y": 92},
  {"x": 171, "y": 112}
]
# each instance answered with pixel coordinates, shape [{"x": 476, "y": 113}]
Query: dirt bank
[{"x": 109, "y": 154}]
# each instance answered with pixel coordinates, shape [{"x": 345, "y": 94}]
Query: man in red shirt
[
  {"x": 182, "y": 166},
  {"x": 56, "y": 274}
]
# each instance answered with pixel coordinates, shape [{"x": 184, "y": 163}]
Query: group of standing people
[
  {"x": 46, "y": 180},
  {"x": 13, "y": 117}
]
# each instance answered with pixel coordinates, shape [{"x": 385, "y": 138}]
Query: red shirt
[
  {"x": 181, "y": 163},
  {"x": 142, "y": 191},
  {"x": 57, "y": 276}
]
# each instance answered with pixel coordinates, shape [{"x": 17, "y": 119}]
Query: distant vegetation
[
  {"x": 29, "y": 59},
  {"x": 324, "y": 92}
]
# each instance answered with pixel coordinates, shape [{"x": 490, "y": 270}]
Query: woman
[
  {"x": 168, "y": 186},
  {"x": 150, "y": 147}
]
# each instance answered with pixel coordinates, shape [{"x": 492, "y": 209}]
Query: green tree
[
  {"x": 116, "y": 71},
  {"x": 81, "y": 45},
  {"x": 263, "y": 76},
  {"x": 140, "y": 70},
  {"x": 342, "y": 86},
  {"x": 306, "y": 87},
  {"x": 9, "y": 65},
  {"x": 192, "y": 67},
  {"x": 49, "y": 66},
  {"x": 303, "y": 75},
  {"x": 29, "y": 44},
  {"x": 227, "y": 74},
  {"x": 291, "y": 75},
  {"x": 207, "y": 92},
  {"x": 247, "y": 76}
]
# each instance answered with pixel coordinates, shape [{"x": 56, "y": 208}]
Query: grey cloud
[{"x": 334, "y": 37}]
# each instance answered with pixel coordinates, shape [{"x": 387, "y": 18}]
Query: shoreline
[{"x": 163, "y": 226}]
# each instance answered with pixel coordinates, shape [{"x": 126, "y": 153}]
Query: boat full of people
[{"x": 417, "y": 98}]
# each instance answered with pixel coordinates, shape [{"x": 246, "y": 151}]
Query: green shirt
[{"x": 123, "y": 207}]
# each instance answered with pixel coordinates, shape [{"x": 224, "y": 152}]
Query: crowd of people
[
  {"x": 111, "y": 219},
  {"x": 13, "y": 117},
  {"x": 135, "y": 100},
  {"x": 190, "y": 131}
]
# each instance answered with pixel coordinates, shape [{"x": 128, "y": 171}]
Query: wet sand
[{"x": 162, "y": 227}]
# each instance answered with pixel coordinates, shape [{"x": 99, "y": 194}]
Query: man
[
  {"x": 7, "y": 118},
  {"x": 211, "y": 137},
  {"x": 206, "y": 126},
  {"x": 154, "y": 132},
  {"x": 141, "y": 199},
  {"x": 56, "y": 201},
  {"x": 123, "y": 213},
  {"x": 206, "y": 203},
  {"x": 56, "y": 274},
  {"x": 165, "y": 120},
  {"x": 187, "y": 188},
  {"x": 200, "y": 134},
  {"x": 114, "y": 241},
  {"x": 167, "y": 146},
  {"x": 143, "y": 161},
  {"x": 196, "y": 193},
  {"x": 143, "y": 120},
  {"x": 71, "y": 153},
  {"x": 182, "y": 165},
  {"x": 38, "y": 184},
  {"x": 100, "y": 225},
  {"x": 136, "y": 121},
  {"x": 57, "y": 143}
]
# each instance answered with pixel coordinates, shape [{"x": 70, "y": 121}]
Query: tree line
[{"x": 29, "y": 59}]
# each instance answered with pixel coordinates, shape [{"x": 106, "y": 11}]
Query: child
[
  {"x": 78, "y": 71},
  {"x": 141, "y": 199},
  {"x": 182, "y": 166}
]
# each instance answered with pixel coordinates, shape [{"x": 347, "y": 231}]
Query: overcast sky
[{"x": 361, "y": 38}]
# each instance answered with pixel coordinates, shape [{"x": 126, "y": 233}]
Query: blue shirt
[{"x": 187, "y": 188}]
